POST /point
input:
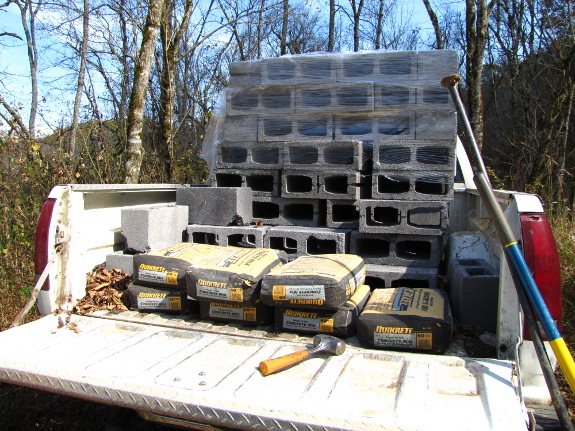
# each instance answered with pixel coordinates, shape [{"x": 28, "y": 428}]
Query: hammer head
[{"x": 328, "y": 344}]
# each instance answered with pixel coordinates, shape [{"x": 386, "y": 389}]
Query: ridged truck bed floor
[{"x": 208, "y": 373}]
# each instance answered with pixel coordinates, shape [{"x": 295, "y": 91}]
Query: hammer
[{"x": 321, "y": 343}]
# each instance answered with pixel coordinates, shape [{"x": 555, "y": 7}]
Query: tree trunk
[
  {"x": 80, "y": 86},
  {"x": 259, "y": 30},
  {"x": 135, "y": 153},
  {"x": 170, "y": 47},
  {"x": 476, "y": 25},
  {"x": 28, "y": 15},
  {"x": 379, "y": 27},
  {"x": 283, "y": 40},
  {"x": 434, "y": 23},
  {"x": 357, "y": 7},
  {"x": 331, "y": 36}
]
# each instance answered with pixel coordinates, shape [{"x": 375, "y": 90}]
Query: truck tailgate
[{"x": 183, "y": 371}]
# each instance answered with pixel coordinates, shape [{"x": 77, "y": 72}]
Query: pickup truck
[{"x": 202, "y": 375}]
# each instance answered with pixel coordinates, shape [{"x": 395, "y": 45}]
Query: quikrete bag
[
  {"x": 157, "y": 299},
  {"x": 257, "y": 314},
  {"x": 314, "y": 282},
  {"x": 167, "y": 267},
  {"x": 414, "y": 319},
  {"x": 340, "y": 323},
  {"x": 231, "y": 275}
]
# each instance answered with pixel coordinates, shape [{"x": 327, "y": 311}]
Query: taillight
[
  {"x": 541, "y": 256},
  {"x": 41, "y": 243}
]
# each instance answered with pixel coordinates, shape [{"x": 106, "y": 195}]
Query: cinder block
[
  {"x": 288, "y": 212},
  {"x": 299, "y": 184},
  {"x": 220, "y": 206},
  {"x": 259, "y": 182},
  {"x": 403, "y": 217},
  {"x": 345, "y": 155},
  {"x": 433, "y": 66},
  {"x": 397, "y": 250},
  {"x": 120, "y": 260},
  {"x": 345, "y": 97},
  {"x": 260, "y": 99},
  {"x": 342, "y": 185},
  {"x": 300, "y": 241},
  {"x": 389, "y": 126},
  {"x": 434, "y": 97},
  {"x": 235, "y": 236},
  {"x": 438, "y": 125},
  {"x": 244, "y": 73},
  {"x": 154, "y": 227},
  {"x": 412, "y": 185},
  {"x": 300, "y": 69},
  {"x": 256, "y": 155},
  {"x": 240, "y": 129},
  {"x": 342, "y": 214},
  {"x": 385, "y": 276},
  {"x": 379, "y": 67},
  {"x": 311, "y": 127},
  {"x": 395, "y": 96},
  {"x": 414, "y": 155},
  {"x": 474, "y": 292}
]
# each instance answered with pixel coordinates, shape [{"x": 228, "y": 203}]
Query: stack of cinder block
[{"x": 343, "y": 153}]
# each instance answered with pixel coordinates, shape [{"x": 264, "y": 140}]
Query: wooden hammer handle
[{"x": 273, "y": 365}]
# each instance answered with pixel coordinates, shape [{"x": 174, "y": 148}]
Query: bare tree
[
  {"x": 142, "y": 68},
  {"x": 80, "y": 86},
  {"x": 28, "y": 12},
  {"x": 476, "y": 27},
  {"x": 331, "y": 26},
  {"x": 435, "y": 24},
  {"x": 285, "y": 21},
  {"x": 356, "y": 7}
]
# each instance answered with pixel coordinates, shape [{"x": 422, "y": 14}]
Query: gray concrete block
[
  {"x": 343, "y": 97},
  {"x": 438, "y": 125},
  {"x": 435, "y": 97},
  {"x": 396, "y": 249},
  {"x": 474, "y": 292},
  {"x": 300, "y": 69},
  {"x": 260, "y": 99},
  {"x": 220, "y": 206},
  {"x": 259, "y": 182},
  {"x": 235, "y": 236},
  {"x": 390, "y": 96},
  {"x": 255, "y": 155},
  {"x": 153, "y": 227},
  {"x": 244, "y": 73},
  {"x": 403, "y": 217},
  {"x": 288, "y": 212},
  {"x": 240, "y": 129},
  {"x": 433, "y": 66},
  {"x": 343, "y": 185},
  {"x": 120, "y": 260},
  {"x": 412, "y": 185},
  {"x": 300, "y": 241},
  {"x": 299, "y": 184},
  {"x": 414, "y": 155},
  {"x": 386, "y": 276},
  {"x": 296, "y": 128},
  {"x": 390, "y": 125},
  {"x": 379, "y": 67},
  {"x": 342, "y": 214},
  {"x": 345, "y": 155}
]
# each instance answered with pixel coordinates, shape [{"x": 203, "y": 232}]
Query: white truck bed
[{"x": 207, "y": 373}]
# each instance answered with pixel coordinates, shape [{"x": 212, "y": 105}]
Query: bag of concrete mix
[
  {"x": 253, "y": 315},
  {"x": 340, "y": 323},
  {"x": 158, "y": 299},
  {"x": 167, "y": 267},
  {"x": 231, "y": 275},
  {"x": 324, "y": 281},
  {"x": 402, "y": 318}
]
